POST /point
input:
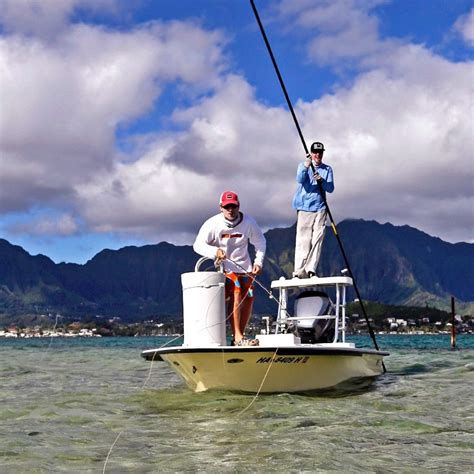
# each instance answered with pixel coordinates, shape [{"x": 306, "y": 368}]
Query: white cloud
[
  {"x": 45, "y": 18},
  {"x": 409, "y": 99},
  {"x": 465, "y": 27},
  {"x": 342, "y": 30},
  {"x": 62, "y": 102},
  {"x": 399, "y": 137},
  {"x": 402, "y": 156},
  {"x": 63, "y": 225},
  {"x": 230, "y": 142}
]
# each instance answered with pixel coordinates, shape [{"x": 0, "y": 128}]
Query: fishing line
[
  {"x": 154, "y": 358},
  {"x": 228, "y": 315},
  {"x": 273, "y": 357},
  {"x": 52, "y": 331},
  {"x": 261, "y": 385},
  {"x": 142, "y": 388},
  {"x": 110, "y": 451},
  {"x": 51, "y": 337},
  {"x": 254, "y": 279}
]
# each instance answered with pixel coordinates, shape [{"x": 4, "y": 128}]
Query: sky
[{"x": 122, "y": 121}]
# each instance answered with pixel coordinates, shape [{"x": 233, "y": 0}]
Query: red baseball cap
[{"x": 229, "y": 197}]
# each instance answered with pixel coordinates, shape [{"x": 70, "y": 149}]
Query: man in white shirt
[{"x": 225, "y": 237}]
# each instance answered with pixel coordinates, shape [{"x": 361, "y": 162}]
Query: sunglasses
[
  {"x": 318, "y": 151},
  {"x": 230, "y": 206}
]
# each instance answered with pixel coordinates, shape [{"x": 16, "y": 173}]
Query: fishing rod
[{"x": 323, "y": 194}]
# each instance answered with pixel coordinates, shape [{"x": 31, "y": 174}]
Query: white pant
[{"x": 310, "y": 228}]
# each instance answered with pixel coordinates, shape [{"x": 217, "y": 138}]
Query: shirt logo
[{"x": 231, "y": 236}]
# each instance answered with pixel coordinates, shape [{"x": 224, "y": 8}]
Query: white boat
[{"x": 304, "y": 350}]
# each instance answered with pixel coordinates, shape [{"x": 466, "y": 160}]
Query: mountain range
[{"x": 391, "y": 265}]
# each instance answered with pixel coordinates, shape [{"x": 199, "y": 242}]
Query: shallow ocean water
[{"x": 94, "y": 405}]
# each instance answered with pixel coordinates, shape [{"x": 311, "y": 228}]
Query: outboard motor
[{"x": 311, "y": 330}]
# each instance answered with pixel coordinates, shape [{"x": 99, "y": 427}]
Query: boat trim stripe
[{"x": 282, "y": 351}]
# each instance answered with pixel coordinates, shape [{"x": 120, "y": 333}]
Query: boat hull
[{"x": 269, "y": 370}]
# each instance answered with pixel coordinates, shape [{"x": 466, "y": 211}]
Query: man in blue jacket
[{"x": 311, "y": 210}]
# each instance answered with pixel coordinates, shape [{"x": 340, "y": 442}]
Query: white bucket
[{"x": 204, "y": 309}]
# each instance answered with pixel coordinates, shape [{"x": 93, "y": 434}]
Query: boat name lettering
[{"x": 284, "y": 360}]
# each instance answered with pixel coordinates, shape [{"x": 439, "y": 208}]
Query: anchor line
[{"x": 323, "y": 194}]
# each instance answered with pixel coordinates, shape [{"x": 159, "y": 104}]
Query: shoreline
[{"x": 10, "y": 335}]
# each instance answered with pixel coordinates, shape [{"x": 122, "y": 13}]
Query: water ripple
[{"x": 63, "y": 408}]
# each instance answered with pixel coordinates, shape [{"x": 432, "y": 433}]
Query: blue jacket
[{"x": 307, "y": 196}]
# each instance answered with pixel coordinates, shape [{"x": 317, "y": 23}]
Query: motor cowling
[{"x": 309, "y": 305}]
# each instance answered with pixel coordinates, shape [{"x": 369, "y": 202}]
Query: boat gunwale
[{"x": 150, "y": 354}]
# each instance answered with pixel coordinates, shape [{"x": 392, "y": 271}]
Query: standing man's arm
[
  {"x": 328, "y": 182},
  {"x": 302, "y": 171}
]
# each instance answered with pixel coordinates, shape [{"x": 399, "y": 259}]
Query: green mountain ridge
[{"x": 392, "y": 265}]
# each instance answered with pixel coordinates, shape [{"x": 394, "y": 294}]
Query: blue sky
[{"x": 122, "y": 122}]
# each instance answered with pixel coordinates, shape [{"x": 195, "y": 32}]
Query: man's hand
[
  {"x": 256, "y": 270},
  {"x": 317, "y": 176},
  {"x": 307, "y": 161},
  {"x": 220, "y": 255}
]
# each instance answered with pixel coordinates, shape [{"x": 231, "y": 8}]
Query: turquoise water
[{"x": 89, "y": 405}]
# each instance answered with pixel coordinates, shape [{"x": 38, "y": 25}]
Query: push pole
[
  {"x": 453, "y": 327},
  {"x": 323, "y": 194},
  {"x": 280, "y": 79}
]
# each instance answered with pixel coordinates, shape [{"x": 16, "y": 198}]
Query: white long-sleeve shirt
[{"x": 215, "y": 233}]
